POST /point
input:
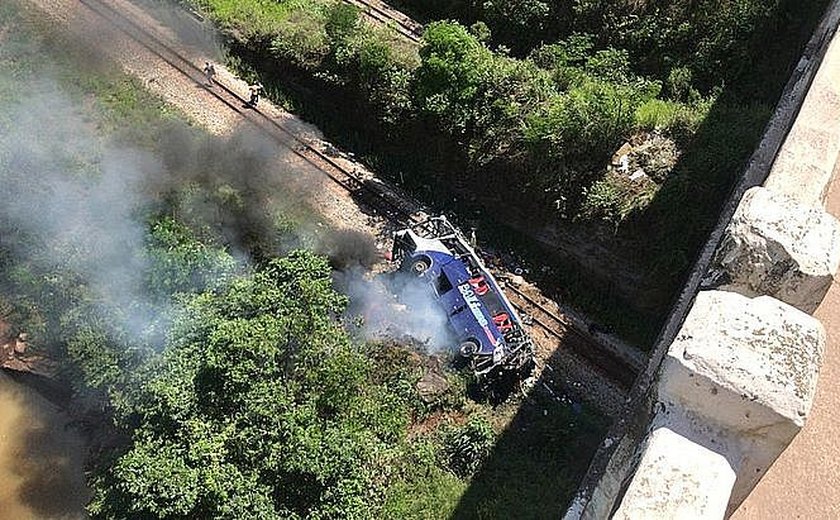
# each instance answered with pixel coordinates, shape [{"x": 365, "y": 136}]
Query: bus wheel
[
  {"x": 420, "y": 266},
  {"x": 468, "y": 348}
]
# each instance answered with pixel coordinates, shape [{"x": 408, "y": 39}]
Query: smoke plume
[
  {"x": 396, "y": 306},
  {"x": 76, "y": 202}
]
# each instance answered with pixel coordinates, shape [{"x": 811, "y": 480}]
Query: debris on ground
[
  {"x": 431, "y": 386},
  {"x": 434, "y": 382}
]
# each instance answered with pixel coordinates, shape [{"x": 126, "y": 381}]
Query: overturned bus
[{"x": 489, "y": 332}]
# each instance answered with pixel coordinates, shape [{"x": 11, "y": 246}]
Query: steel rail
[
  {"x": 605, "y": 362},
  {"x": 394, "y": 209},
  {"x": 412, "y": 31}
]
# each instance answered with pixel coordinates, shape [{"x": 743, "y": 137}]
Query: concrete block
[
  {"x": 776, "y": 246},
  {"x": 804, "y": 166},
  {"x": 683, "y": 473},
  {"x": 747, "y": 366}
]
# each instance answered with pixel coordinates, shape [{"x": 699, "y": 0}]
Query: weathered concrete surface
[
  {"x": 776, "y": 246},
  {"x": 747, "y": 366},
  {"x": 805, "y": 164},
  {"x": 733, "y": 391},
  {"x": 744, "y": 363},
  {"x": 683, "y": 471},
  {"x": 805, "y": 481},
  {"x": 620, "y": 468}
]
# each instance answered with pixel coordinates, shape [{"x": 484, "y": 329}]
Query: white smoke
[
  {"x": 69, "y": 199},
  {"x": 395, "y": 306},
  {"x": 398, "y": 307},
  {"x": 75, "y": 203}
]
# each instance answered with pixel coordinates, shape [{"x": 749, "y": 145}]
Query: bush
[
  {"x": 181, "y": 263},
  {"x": 613, "y": 199},
  {"x": 465, "y": 448},
  {"x": 580, "y": 129},
  {"x": 677, "y": 119},
  {"x": 680, "y": 85},
  {"x": 302, "y": 38}
]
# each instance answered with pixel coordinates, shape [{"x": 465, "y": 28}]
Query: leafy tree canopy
[{"x": 258, "y": 406}]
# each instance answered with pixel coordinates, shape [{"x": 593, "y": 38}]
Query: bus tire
[
  {"x": 420, "y": 266},
  {"x": 468, "y": 348}
]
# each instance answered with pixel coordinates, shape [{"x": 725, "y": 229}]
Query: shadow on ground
[{"x": 538, "y": 460}]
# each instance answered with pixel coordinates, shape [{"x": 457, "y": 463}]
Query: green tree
[
  {"x": 259, "y": 405},
  {"x": 479, "y": 98},
  {"x": 181, "y": 263}
]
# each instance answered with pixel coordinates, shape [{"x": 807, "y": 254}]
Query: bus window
[{"x": 442, "y": 284}]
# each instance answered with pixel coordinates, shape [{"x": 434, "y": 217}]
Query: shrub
[
  {"x": 465, "y": 448},
  {"x": 583, "y": 126},
  {"x": 181, "y": 263},
  {"x": 343, "y": 21},
  {"x": 679, "y": 85},
  {"x": 481, "y": 32},
  {"x": 613, "y": 199},
  {"x": 677, "y": 119},
  {"x": 302, "y": 38}
]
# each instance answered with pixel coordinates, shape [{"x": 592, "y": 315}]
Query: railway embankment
[{"x": 734, "y": 372}]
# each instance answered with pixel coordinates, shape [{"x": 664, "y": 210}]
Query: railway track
[
  {"x": 368, "y": 193},
  {"x": 604, "y": 361},
  {"x": 384, "y": 14},
  {"x": 608, "y": 364}
]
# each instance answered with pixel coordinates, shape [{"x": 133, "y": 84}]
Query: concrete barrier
[
  {"x": 777, "y": 246},
  {"x": 806, "y": 163},
  {"x": 683, "y": 470}
]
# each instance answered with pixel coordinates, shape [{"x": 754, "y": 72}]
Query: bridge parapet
[{"x": 733, "y": 375}]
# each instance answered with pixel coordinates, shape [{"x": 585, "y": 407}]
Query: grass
[
  {"x": 257, "y": 16},
  {"x": 121, "y": 104},
  {"x": 425, "y": 491},
  {"x": 670, "y": 116}
]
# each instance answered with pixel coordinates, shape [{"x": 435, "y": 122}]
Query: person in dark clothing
[
  {"x": 255, "y": 92},
  {"x": 209, "y": 73}
]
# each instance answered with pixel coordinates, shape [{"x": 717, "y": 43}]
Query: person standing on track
[
  {"x": 209, "y": 73},
  {"x": 255, "y": 90}
]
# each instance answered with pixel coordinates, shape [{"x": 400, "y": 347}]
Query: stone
[
  {"x": 431, "y": 386},
  {"x": 678, "y": 475},
  {"x": 638, "y": 175},
  {"x": 749, "y": 367},
  {"x": 623, "y": 151},
  {"x": 776, "y": 246}
]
